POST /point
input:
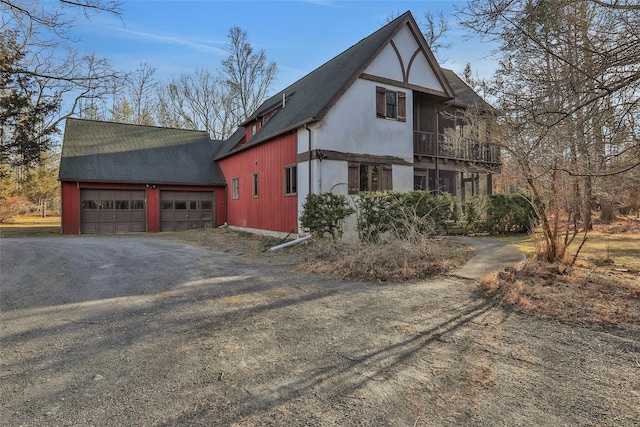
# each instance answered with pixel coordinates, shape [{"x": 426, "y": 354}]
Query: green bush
[
  {"x": 509, "y": 213},
  {"x": 401, "y": 214},
  {"x": 323, "y": 213},
  {"x": 475, "y": 213}
]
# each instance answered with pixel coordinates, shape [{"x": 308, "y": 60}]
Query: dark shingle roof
[
  {"x": 465, "y": 96},
  {"x": 308, "y": 99},
  {"x": 125, "y": 153}
]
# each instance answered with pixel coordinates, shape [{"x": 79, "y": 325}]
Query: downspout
[
  {"x": 226, "y": 205},
  {"x": 292, "y": 242},
  {"x": 309, "y": 130}
]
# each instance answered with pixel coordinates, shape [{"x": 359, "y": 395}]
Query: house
[
  {"x": 118, "y": 178},
  {"x": 376, "y": 117},
  {"x": 379, "y": 116}
]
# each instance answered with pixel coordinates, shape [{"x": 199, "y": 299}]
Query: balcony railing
[{"x": 424, "y": 143}]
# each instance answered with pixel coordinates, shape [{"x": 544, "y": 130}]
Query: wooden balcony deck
[{"x": 425, "y": 144}]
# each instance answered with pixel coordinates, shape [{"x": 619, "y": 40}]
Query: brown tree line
[
  {"x": 568, "y": 88},
  {"x": 215, "y": 100},
  {"x": 44, "y": 80}
]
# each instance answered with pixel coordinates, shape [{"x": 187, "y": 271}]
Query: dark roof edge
[
  {"x": 267, "y": 138},
  {"x": 93, "y": 181},
  {"x": 145, "y": 126}
]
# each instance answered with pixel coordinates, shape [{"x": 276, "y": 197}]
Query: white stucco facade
[{"x": 351, "y": 126}]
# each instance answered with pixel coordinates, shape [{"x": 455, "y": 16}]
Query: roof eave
[{"x": 251, "y": 144}]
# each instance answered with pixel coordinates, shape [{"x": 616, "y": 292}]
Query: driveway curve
[{"x": 153, "y": 331}]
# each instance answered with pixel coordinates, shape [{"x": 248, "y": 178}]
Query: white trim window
[{"x": 235, "y": 188}]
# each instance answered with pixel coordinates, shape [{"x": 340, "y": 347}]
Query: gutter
[{"x": 309, "y": 130}]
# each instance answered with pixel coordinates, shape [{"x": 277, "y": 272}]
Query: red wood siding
[
  {"x": 70, "y": 193},
  {"x": 271, "y": 210},
  {"x": 70, "y": 207}
]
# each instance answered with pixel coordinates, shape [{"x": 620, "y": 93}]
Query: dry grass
[
  {"x": 393, "y": 260},
  {"x": 603, "y": 288},
  {"x": 571, "y": 294},
  {"x": 32, "y": 226},
  {"x": 606, "y": 247}
]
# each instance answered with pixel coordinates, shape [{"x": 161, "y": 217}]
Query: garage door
[
  {"x": 112, "y": 211},
  {"x": 186, "y": 210}
]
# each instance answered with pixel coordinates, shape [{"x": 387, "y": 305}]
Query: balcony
[{"x": 424, "y": 144}]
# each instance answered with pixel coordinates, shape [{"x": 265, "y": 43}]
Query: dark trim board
[{"x": 351, "y": 157}]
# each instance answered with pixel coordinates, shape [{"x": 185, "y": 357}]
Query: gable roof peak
[{"x": 309, "y": 98}]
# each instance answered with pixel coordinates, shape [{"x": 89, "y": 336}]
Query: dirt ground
[{"x": 206, "y": 329}]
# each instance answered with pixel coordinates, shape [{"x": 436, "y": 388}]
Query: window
[
  {"x": 180, "y": 204},
  {"x": 392, "y": 101},
  {"x": 122, "y": 204},
  {"x": 254, "y": 129},
  {"x": 206, "y": 205},
  {"x": 369, "y": 177},
  {"x": 255, "y": 185},
  {"x": 290, "y": 180},
  {"x": 391, "y": 104},
  {"x": 235, "y": 188},
  {"x": 137, "y": 204},
  {"x": 89, "y": 204},
  {"x": 166, "y": 204}
]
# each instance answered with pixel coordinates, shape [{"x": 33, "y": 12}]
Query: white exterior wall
[
  {"x": 351, "y": 125},
  {"x": 389, "y": 66}
]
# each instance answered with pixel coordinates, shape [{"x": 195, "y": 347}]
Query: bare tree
[
  {"x": 142, "y": 88},
  {"x": 40, "y": 34},
  {"x": 248, "y": 74},
  {"x": 568, "y": 84},
  {"x": 199, "y": 101},
  {"x": 435, "y": 29},
  {"x": 219, "y": 102}
]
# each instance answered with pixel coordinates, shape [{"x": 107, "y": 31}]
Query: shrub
[
  {"x": 401, "y": 214},
  {"x": 376, "y": 212},
  {"x": 323, "y": 213},
  {"x": 12, "y": 207},
  {"x": 509, "y": 213},
  {"x": 475, "y": 210}
]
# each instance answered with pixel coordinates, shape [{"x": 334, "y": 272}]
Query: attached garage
[
  {"x": 112, "y": 211},
  {"x": 186, "y": 210},
  {"x": 123, "y": 178}
]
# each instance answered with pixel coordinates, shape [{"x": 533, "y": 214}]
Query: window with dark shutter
[
  {"x": 381, "y": 102},
  {"x": 354, "y": 178},
  {"x": 402, "y": 107},
  {"x": 369, "y": 177},
  {"x": 391, "y": 104}
]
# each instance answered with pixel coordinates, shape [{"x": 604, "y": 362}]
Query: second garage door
[{"x": 186, "y": 210}]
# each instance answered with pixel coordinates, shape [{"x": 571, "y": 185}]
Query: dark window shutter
[
  {"x": 402, "y": 107},
  {"x": 354, "y": 178},
  {"x": 381, "y": 101},
  {"x": 387, "y": 181}
]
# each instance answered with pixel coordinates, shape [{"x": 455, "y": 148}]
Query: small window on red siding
[
  {"x": 255, "y": 185},
  {"x": 290, "y": 180}
]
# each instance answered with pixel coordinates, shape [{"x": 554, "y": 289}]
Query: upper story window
[
  {"x": 391, "y": 104},
  {"x": 254, "y": 129}
]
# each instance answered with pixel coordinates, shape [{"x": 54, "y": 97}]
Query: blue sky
[{"x": 179, "y": 37}]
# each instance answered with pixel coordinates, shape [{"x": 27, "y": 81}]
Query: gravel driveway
[{"x": 150, "y": 330}]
